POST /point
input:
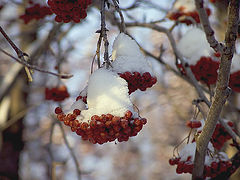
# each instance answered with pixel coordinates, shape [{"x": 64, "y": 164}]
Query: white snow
[
  {"x": 193, "y": 45},
  {"x": 188, "y": 150},
  {"x": 79, "y": 105},
  {"x": 188, "y": 5},
  {"x": 124, "y": 45},
  {"x": 235, "y": 63},
  {"x": 127, "y": 56},
  {"x": 107, "y": 93}
]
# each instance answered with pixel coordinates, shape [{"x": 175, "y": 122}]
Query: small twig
[
  {"x": 18, "y": 51},
  {"x": 71, "y": 151},
  {"x": 123, "y": 26},
  {"x": 104, "y": 33},
  {"x": 24, "y": 63}
]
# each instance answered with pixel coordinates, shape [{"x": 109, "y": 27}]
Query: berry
[
  {"x": 139, "y": 81},
  {"x": 56, "y": 93}
]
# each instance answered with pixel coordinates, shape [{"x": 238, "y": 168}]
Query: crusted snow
[
  {"x": 235, "y": 63},
  {"x": 193, "y": 45},
  {"x": 107, "y": 93},
  {"x": 127, "y": 56}
]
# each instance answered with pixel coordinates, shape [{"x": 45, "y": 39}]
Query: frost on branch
[
  {"x": 131, "y": 65},
  {"x": 109, "y": 114},
  {"x": 203, "y": 62}
]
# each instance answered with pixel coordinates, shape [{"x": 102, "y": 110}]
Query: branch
[
  {"x": 24, "y": 63},
  {"x": 71, "y": 151},
  {"x": 104, "y": 33},
  {"x": 222, "y": 91},
  {"x": 123, "y": 26},
  {"x": 218, "y": 47}
]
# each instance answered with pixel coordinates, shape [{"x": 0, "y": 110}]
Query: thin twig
[
  {"x": 123, "y": 26},
  {"x": 24, "y": 63},
  {"x": 218, "y": 47},
  {"x": 104, "y": 33},
  {"x": 71, "y": 151}
]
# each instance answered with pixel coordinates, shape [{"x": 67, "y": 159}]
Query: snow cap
[
  {"x": 107, "y": 93},
  {"x": 128, "y": 57},
  {"x": 124, "y": 45},
  {"x": 193, "y": 45}
]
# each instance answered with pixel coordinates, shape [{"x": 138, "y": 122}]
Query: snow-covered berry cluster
[
  {"x": 131, "y": 65},
  {"x": 234, "y": 81},
  {"x": 106, "y": 113},
  {"x": 69, "y": 10},
  {"x": 184, "y": 11},
  {"x": 58, "y": 93},
  {"x": 35, "y": 11},
  {"x": 203, "y": 61},
  {"x": 214, "y": 165},
  {"x": 103, "y": 111}
]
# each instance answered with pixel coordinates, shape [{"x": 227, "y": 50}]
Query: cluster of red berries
[
  {"x": 36, "y": 11},
  {"x": 104, "y": 128},
  {"x": 137, "y": 81},
  {"x": 234, "y": 81},
  {"x": 180, "y": 16},
  {"x": 56, "y": 93},
  {"x": 212, "y": 170},
  {"x": 220, "y": 135},
  {"x": 69, "y": 10},
  {"x": 206, "y": 70}
]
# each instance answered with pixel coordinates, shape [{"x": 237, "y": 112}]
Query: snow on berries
[
  {"x": 215, "y": 163},
  {"x": 108, "y": 114},
  {"x": 131, "y": 65},
  {"x": 185, "y": 12},
  {"x": 69, "y": 10},
  {"x": 234, "y": 81},
  {"x": 35, "y": 11},
  {"x": 203, "y": 61}
]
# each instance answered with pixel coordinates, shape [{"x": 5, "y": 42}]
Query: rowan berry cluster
[
  {"x": 206, "y": 70},
  {"x": 104, "y": 128},
  {"x": 69, "y": 10},
  {"x": 56, "y": 93},
  {"x": 35, "y": 11},
  {"x": 136, "y": 80}
]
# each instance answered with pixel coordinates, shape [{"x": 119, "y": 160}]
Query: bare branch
[
  {"x": 104, "y": 33},
  {"x": 123, "y": 26},
  {"x": 24, "y": 63}
]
